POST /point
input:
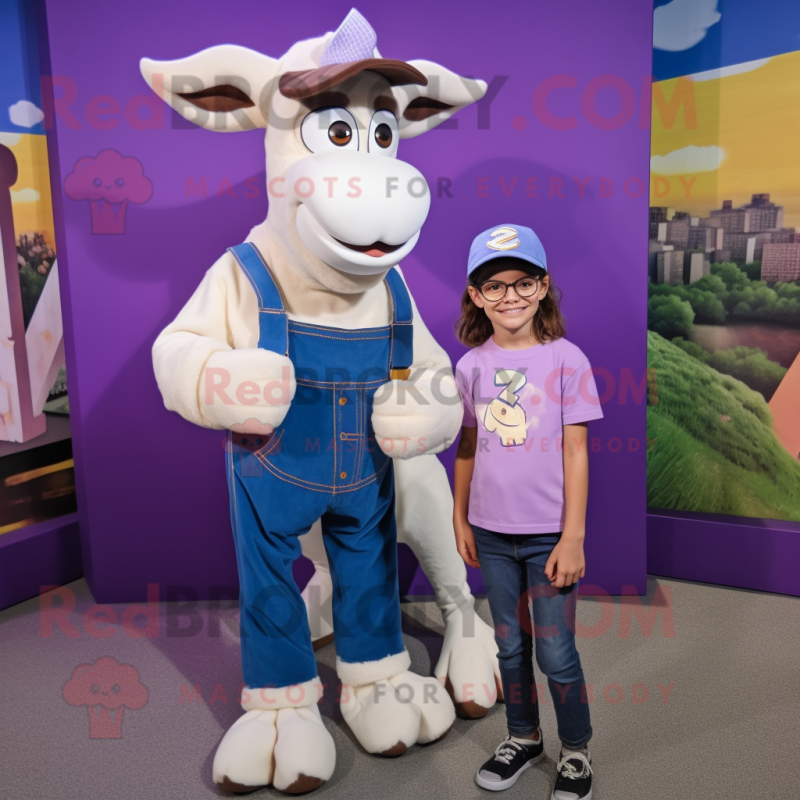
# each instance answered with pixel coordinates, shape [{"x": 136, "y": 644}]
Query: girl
[{"x": 521, "y": 482}]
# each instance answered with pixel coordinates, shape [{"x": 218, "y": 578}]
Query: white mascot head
[{"x": 334, "y": 112}]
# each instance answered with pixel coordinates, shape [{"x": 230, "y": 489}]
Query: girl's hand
[
  {"x": 566, "y": 563},
  {"x": 465, "y": 543}
]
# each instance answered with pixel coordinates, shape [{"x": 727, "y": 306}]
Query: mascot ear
[
  {"x": 224, "y": 88},
  {"x": 424, "y": 107}
]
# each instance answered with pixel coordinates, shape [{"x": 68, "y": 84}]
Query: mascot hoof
[
  {"x": 289, "y": 749},
  {"x": 228, "y": 785},
  {"x": 302, "y": 785},
  {"x": 469, "y": 709},
  {"x": 394, "y": 752},
  {"x": 468, "y": 667},
  {"x": 389, "y": 716}
]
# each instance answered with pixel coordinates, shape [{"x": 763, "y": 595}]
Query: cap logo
[{"x": 503, "y": 239}]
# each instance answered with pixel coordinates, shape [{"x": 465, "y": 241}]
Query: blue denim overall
[{"x": 322, "y": 462}]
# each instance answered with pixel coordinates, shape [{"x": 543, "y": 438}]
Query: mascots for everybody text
[{"x": 305, "y": 344}]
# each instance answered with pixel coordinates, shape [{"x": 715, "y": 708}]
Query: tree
[
  {"x": 741, "y": 308},
  {"x": 669, "y": 316},
  {"x": 707, "y": 306},
  {"x": 694, "y": 350},
  {"x": 753, "y": 270},
  {"x": 730, "y": 273},
  {"x": 751, "y": 366}
]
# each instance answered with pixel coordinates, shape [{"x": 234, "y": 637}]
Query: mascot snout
[{"x": 359, "y": 213}]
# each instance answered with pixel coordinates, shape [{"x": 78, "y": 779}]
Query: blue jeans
[
  {"x": 513, "y": 571},
  {"x": 323, "y": 463}
]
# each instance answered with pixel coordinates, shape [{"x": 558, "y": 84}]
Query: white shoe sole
[
  {"x": 498, "y": 786},
  {"x": 588, "y": 796}
]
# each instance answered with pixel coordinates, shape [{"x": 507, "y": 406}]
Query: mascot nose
[{"x": 360, "y": 199}]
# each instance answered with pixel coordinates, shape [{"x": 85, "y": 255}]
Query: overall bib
[{"x": 322, "y": 462}]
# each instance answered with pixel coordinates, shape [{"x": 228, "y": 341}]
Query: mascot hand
[
  {"x": 248, "y": 390},
  {"x": 420, "y": 415}
]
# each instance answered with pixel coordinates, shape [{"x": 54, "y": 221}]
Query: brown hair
[{"x": 473, "y": 327}]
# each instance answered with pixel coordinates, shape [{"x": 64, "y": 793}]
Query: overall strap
[
  {"x": 272, "y": 320},
  {"x": 402, "y": 327}
]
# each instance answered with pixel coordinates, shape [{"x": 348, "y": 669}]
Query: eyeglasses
[{"x": 496, "y": 290}]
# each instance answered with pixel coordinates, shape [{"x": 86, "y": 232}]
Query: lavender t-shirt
[{"x": 519, "y": 400}]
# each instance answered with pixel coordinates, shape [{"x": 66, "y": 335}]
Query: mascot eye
[
  {"x": 383, "y": 134},
  {"x": 340, "y": 133},
  {"x": 329, "y": 128}
]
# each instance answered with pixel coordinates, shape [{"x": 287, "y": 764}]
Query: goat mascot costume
[{"x": 306, "y": 345}]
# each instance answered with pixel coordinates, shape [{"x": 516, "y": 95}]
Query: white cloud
[
  {"x": 9, "y": 139},
  {"x": 681, "y": 24},
  {"x": 25, "y": 196},
  {"x": 688, "y": 159},
  {"x": 725, "y": 72},
  {"x": 25, "y": 114}
]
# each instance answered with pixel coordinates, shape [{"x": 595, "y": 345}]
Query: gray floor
[{"x": 727, "y": 730}]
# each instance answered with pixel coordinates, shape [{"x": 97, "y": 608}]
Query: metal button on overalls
[{"x": 322, "y": 462}]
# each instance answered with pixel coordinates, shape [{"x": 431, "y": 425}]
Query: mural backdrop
[
  {"x": 36, "y": 469},
  {"x": 724, "y": 259}
]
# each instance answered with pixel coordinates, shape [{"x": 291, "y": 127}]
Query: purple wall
[
  {"x": 152, "y": 495},
  {"x": 37, "y": 557},
  {"x": 760, "y": 554}
]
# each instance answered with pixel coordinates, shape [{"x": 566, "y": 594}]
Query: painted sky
[
  {"x": 21, "y": 128},
  {"x": 746, "y": 139},
  {"x": 696, "y": 35},
  {"x": 20, "y": 92}
]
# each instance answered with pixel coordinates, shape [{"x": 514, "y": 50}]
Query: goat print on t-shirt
[{"x": 505, "y": 415}]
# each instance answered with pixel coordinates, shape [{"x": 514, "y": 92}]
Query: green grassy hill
[{"x": 700, "y": 462}]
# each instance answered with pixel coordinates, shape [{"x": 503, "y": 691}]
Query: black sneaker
[
  {"x": 509, "y": 761},
  {"x": 574, "y": 781}
]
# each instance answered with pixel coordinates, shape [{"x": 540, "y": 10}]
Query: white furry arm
[
  {"x": 422, "y": 414},
  {"x": 207, "y": 363}
]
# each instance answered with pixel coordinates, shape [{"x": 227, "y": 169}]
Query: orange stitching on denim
[
  {"x": 250, "y": 278},
  {"x": 363, "y": 482},
  {"x": 271, "y": 444},
  {"x": 328, "y": 385},
  {"x": 332, "y": 328},
  {"x": 359, "y": 483},
  {"x": 236, "y": 525},
  {"x": 278, "y": 290},
  {"x": 269, "y": 272},
  {"x": 361, "y": 413},
  {"x": 287, "y": 478},
  {"x": 333, "y": 414},
  {"x": 341, "y": 338},
  {"x": 291, "y": 479},
  {"x": 280, "y": 472}
]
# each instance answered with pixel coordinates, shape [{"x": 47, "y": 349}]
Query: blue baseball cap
[{"x": 506, "y": 241}]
